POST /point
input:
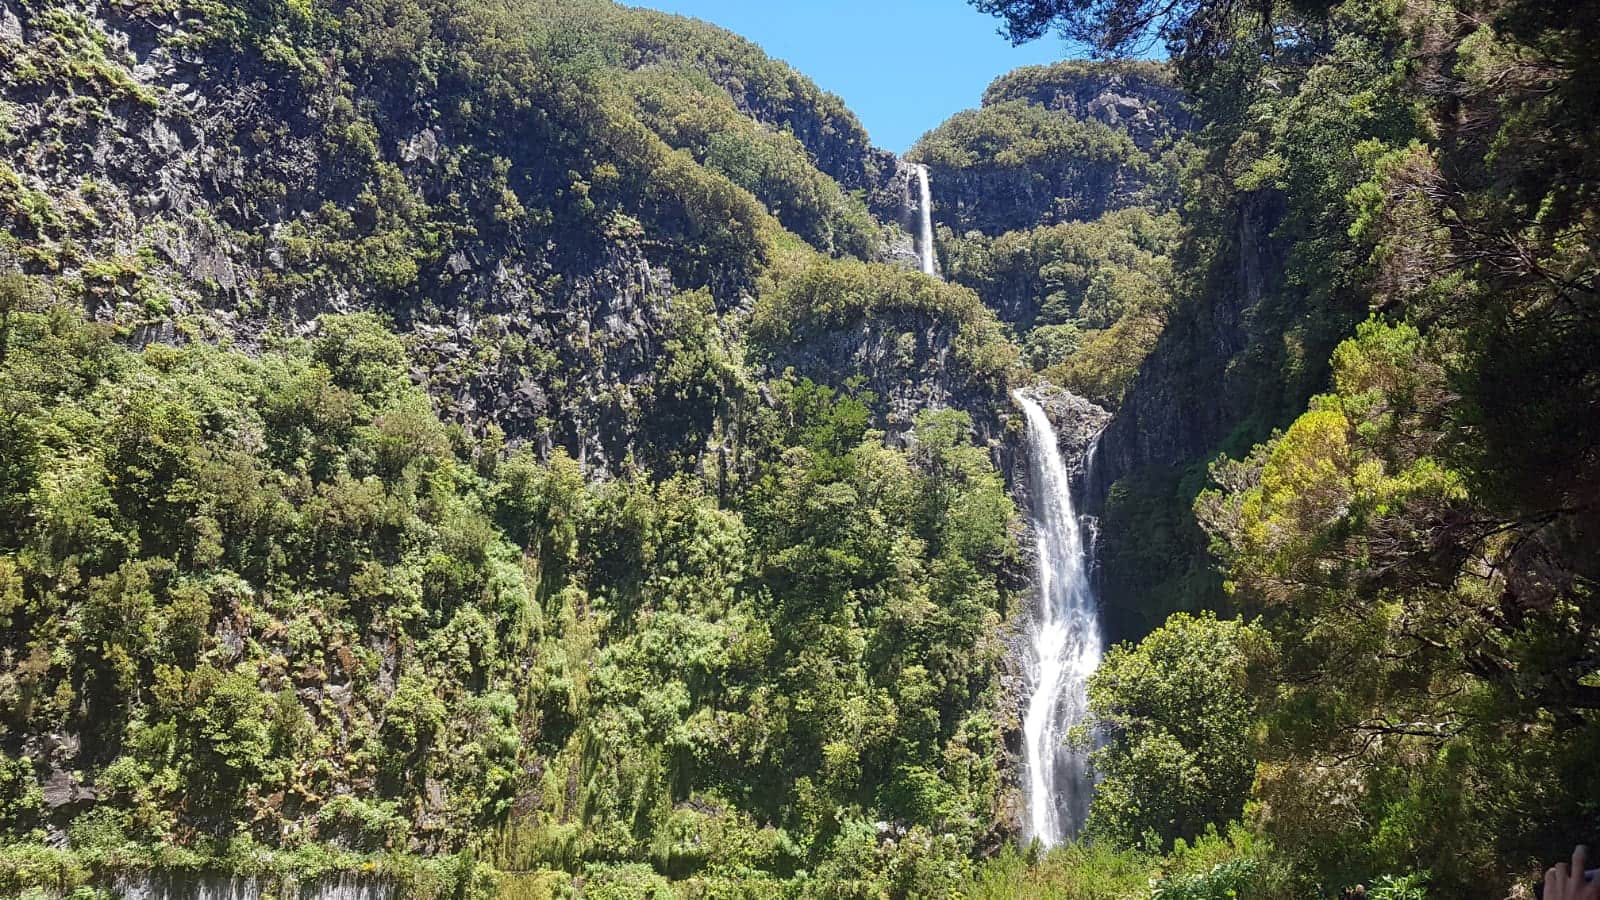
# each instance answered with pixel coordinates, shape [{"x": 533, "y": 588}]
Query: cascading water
[
  {"x": 218, "y": 886},
  {"x": 1064, "y": 644},
  {"x": 925, "y": 234},
  {"x": 187, "y": 886}
]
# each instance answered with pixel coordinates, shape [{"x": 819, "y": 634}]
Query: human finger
[
  {"x": 1555, "y": 882},
  {"x": 1587, "y": 885}
]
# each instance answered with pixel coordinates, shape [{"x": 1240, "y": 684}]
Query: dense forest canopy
[
  {"x": 505, "y": 449},
  {"x": 1419, "y": 543}
]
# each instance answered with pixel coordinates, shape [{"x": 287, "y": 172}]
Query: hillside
[
  {"x": 525, "y": 192},
  {"x": 1370, "y": 403},
  {"x": 506, "y": 449},
  {"x": 1055, "y": 201},
  {"x": 453, "y": 431}
]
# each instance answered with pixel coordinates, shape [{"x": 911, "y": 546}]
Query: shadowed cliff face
[
  {"x": 1160, "y": 423},
  {"x": 994, "y": 199},
  {"x": 906, "y": 360},
  {"x": 1209, "y": 383}
]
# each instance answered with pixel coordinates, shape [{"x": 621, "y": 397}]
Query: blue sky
[{"x": 903, "y": 66}]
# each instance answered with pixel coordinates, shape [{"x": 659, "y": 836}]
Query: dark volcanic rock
[
  {"x": 908, "y": 362},
  {"x": 1078, "y": 423},
  {"x": 1194, "y": 388}
]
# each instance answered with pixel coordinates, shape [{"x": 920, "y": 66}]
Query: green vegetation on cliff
[
  {"x": 487, "y": 447},
  {"x": 390, "y": 488},
  {"x": 274, "y": 600},
  {"x": 1090, "y": 298},
  {"x": 1054, "y": 204},
  {"x": 1392, "y": 211}
]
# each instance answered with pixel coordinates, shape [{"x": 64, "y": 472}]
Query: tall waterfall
[
  {"x": 925, "y": 234},
  {"x": 1063, "y": 642}
]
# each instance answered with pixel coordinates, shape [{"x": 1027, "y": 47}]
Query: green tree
[{"x": 1177, "y": 711}]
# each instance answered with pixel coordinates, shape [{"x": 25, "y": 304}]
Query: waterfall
[
  {"x": 1063, "y": 644},
  {"x": 187, "y": 886},
  {"x": 925, "y": 236},
  {"x": 178, "y": 885},
  {"x": 345, "y": 886}
]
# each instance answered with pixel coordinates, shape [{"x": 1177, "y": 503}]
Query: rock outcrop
[
  {"x": 1203, "y": 378},
  {"x": 1057, "y": 143},
  {"x": 997, "y": 199},
  {"x": 908, "y": 361},
  {"x": 1140, "y": 99}
]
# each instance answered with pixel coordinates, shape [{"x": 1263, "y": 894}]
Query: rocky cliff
[
  {"x": 1240, "y": 353},
  {"x": 1210, "y": 344},
  {"x": 1057, "y": 144},
  {"x": 1141, "y": 99},
  {"x": 546, "y": 254}
]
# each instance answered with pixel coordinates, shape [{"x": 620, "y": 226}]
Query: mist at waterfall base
[
  {"x": 925, "y": 232},
  {"x": 1063, "y": 645}
]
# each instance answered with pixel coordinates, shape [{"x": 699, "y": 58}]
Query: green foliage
[
  {"x": 1051, "y": 345},
  {"x": 231, "y": 731},
  {"x": 25, "y": 867},
  {"x": 1225, "y": 881},
  {"x": 692, "y": 114},
  {"x": 1092, "y": 273},
  {"x": 1177, "y": 711},
  {"x": 361, "y": 355},
  {"x": 1018, "y": 165},
  {"x": 1225, "y": 864},
  {"x": 1107, "y": 281},
  {"x": 1018, "y": 134},
  {"x": 1075, "y": 871},
  {"x": 1337, "y": 524},
  {"x": 1404, "y": 887},
  {"x": 835, "y": 295},
  {"x": 1073, "y": 83},
  {"x": 328, "y": 628},
  {"x": 272, "y": 614}
]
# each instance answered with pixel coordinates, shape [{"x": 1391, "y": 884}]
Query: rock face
[
  {"x": 1197, "y": 386},
  {"x": 1140, "y": 99},
  {"x": 991, "y": 176},
  {"x": 1239, "y": 356},
  {"x": 907, "y": 360},
  {"x": 1078, "y": 423},
  {"x": 997, "y": 199},
  {"x": 180, "y": 177}
]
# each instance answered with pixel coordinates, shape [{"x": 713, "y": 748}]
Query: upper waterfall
[
  {"x": 1063, "y": 643},
  {"x": 925, "y": 232}
]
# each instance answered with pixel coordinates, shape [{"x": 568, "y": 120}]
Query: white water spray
[
  {"x": 218, "y": 886},
  {"x": 1064, "y": 645},
  {"x": 187, "y": 886},
  {"x": 925, "y": 237}
]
